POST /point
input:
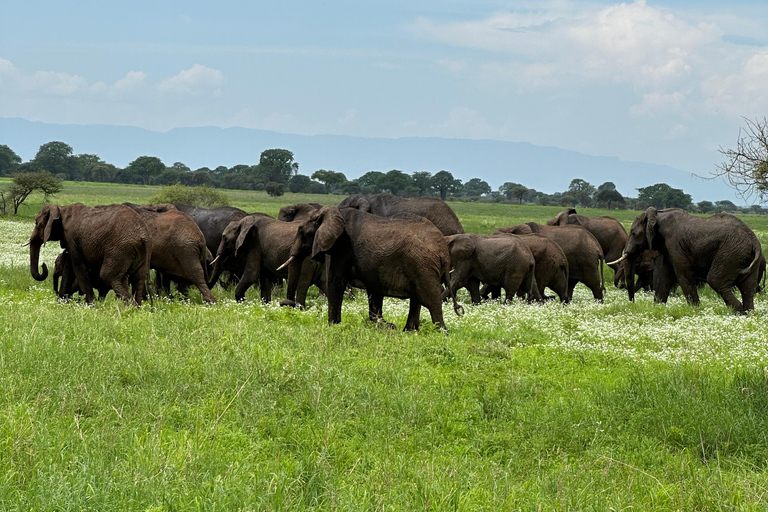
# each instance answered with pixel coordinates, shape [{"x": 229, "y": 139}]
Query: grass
[{"x": 182, "y": 406}]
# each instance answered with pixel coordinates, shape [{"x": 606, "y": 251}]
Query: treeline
[{"x": 278, "y": 172}]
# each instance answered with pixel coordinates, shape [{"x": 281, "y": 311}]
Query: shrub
[
  {"x": 275, "y": 189},
  {"x": 203, "y": 196}
]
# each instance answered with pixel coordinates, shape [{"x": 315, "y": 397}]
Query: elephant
[
  {"x": 263, "y": 243},
  {"x": 581, "y": 249},
  {"x": 501, "y": 261},
  {"x": 609, "y": 232},
  {"x": 112, "y": 241},
  {"x": 212, "y": 222},
  {"x": 64, "y": 270},
  {"x": 297, "y": 212},
  {"x": 179, "y": 249},
  {"x": 719, "y": 250},
  {"x": 404, "y": 256},
  {"x": 551, "y": 268},
  {"x": 386, "y": 205}
]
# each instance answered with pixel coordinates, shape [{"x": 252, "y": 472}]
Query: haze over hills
[{"x": 548, "y": 169}]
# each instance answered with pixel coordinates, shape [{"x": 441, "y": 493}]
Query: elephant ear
[
  {"x": 461, "y": 247},
  {"x": 54, "y": 215},
  {"x": 331, "y": 226},
  {"x": 651, "y": 219},
  {"x": 245, "y": 227}
]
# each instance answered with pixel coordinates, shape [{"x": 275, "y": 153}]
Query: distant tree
[
  {"x": 331, "y": 179},
  {"x": 662, "y": 195},
  {"x": 609, "y": 197},
  {"x": 756, "y": 209},
  {"x": 705, "y": 207},
  {"x": 368, "y": 182},
  {"x": 421, "y": 181},
  {"x": 205, "y": 197},
  {"x": 608, "y": 185},
  {"x": 582, "y": 190},
  {"x": 220, "y": 171},
  {"x": 567, "y": 200},
  {"x": 507, "y": 187},
  {"x": 202, "y": 176},
  {"x": 476, "y": 187},
  {"x": 394, "y": 181},
  {"x": 445, "y": 183},
  {"x": 84, "y": 165},
  {"x": 9, "y": 160},
  {"x": 726, "y": 206},
  {"x": 519, "y": 193},
  {"x": 169, "y": 176},
  {"x": 351, "y": 187},
  {"x": 275, "y": 189},
  {"x": 23, "y": 184},
  {"x": 300, "y": 184},
  {"x": 236, "y": 181},
  {"x": 278, "y": 165},
  {"x": 317, "y": 188},
  {"x": 146, "y": 168},
  {"x": 104, "y": 172},
  {"x": 56, "y": 158}
]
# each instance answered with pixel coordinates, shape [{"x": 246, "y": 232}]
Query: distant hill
[{"x": 549, "y": 169}]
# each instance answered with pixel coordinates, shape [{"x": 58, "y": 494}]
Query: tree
[
  {"x": 445, "y": 183},
  {"x": 146, "y": 168},
  {"x": 662, "y": 195},
  {"x": 745, "y": 168},
  {"x": 705, "y": 207},
  {"x": 278, "y": 165},
  {"x": 300, "y": 184},
  {"x": 56, "y": 158},
  {"x": 368, "y": 182},
  {"x": 609, "y": 196},
  {"x": 476, "y": 187},
  {"x": 24, "y": 183},
  {"x": 331, "y": 179},
  {"x": 84, "y": 165},
  {"x": 275, "y": 189},
  {"x": 726, "y": 206},
  {"x": 507, "y": 187},
  {"x": 394, "y": 181},
  {"x": 421, "y": 181},
  {"x": 9, "y": 160},
  {"x": 582, "y": 191},
  {"x": 608, "y": 185},
  {"x": 518, "y": 193}
]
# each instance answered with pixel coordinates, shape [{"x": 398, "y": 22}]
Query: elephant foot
[{"x": 288, "y": 303}]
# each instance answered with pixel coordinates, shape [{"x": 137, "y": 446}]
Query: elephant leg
[
  {"x": 720, "y": 280},
  {"x": 376, "y": 310},
  {"x": 593, "y": 283},
  {"x": 251, "y": 275},
  {"x": 138, "y": 284},
  {"x": 571, "y": 285},
  {"x": 242, "y": 286},
  {"x": 688, "y": 285},
  {"x": 196, "y": 275},
  {"x": 473, "y": 287},
  {"x": 429, "y": 297},
  {"x": 337, "y": 269},
  {"x": 748, "y": 288},
  {"x": 306, "y": 276},
  {"x": 512, "y": 285},
  {"x": 266, "y": 282},
  {"x": 618, "y": 276},
  {"x": 80, "y": 270},
  {"x": 414, "y": 314}
]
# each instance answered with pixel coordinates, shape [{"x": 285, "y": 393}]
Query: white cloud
[
  {"x": 743, "y": 93},
  {"x": 196, "y": 80},
  {"x": 657, "y": 103}
]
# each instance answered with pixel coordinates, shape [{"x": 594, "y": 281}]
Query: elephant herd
[{"x": 412, "y": 249}]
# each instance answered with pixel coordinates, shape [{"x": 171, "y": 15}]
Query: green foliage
[
  {"x": 24, "y": 184},
  {"x": 394, "y": 182},
  {"x": 9, "y": 160},
  {"x": 331, "y": 179},
  {"x": 662, "y": 195},
  {"x": 205, "y": 197},
  {"x": 609, "y": 197},
  {"x": 582, "y": 191},
  {"x": 56, "y": 158},
  {"x": 300, "y": 184},
  {"x": 275, "y": 189},
  {"x": 277, "y": 165},
  {"x": 445, "y": 184},
  {"x": 476, "y": 187},
  {"x": 145, "y": 168}
]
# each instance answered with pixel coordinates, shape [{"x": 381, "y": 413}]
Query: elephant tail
[
  {"x": 447, "y": 280},
  {"x": 758, "y": 251},
  {"x": 602, "y": 278}
]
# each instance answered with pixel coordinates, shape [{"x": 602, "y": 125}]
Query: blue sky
[{"x": 662, "y": 82}]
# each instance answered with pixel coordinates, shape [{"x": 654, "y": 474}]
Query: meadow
[{"x": 183, "y": 406}]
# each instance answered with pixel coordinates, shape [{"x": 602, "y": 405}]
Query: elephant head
[
  {"x": 316, "y": 236},
  {"x": 48, "y": 226},
  {"x": 461, "y": 247},
  {"x": 563, "y": 218},
  {"x": 643, "y": 235},
  {"x": 357, "y": 201},
  {"x": 297, "y": 212}
]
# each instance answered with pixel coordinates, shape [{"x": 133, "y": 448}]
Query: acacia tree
[
  {"x": 146, "y": 167},
  {"x": 23, "y": 184},
  {"x": 519, "y": 192},
  {"x": 444, "y": 182},
  {"x": 745, "y": 168},
  {"x": 582, "y": 190},
  {"x": 331, "y": 179}
]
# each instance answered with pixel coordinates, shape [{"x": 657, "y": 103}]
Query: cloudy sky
[{"x": 664, "y": 82}]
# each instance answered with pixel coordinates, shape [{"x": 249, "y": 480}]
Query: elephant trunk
[
  {"x": 34, "y": 259},
  {"x": 218, "y": 268},
  {"x": 629, "y": 277}
]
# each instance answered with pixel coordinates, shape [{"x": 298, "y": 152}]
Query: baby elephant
[{"x": 504, "y": 261}]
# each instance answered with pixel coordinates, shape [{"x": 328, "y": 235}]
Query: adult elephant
[
  {"x": 609, "y": 232},
  {"x": 404, "y": 256},
  {"x": 551, "y": 269},
  {"x": 719, "y": 250},
  {"x": 212, "y": 222},
  {"x": 433, "y": 209},
  {"x": 179, "y": 248},
  {"x": 297, "y": 212},
  {"x": 264, "y": 243},
  {"x": 110, "y": 241},
  {"x": 502, "y": 261},
  {"x": 581, "y": 249}
]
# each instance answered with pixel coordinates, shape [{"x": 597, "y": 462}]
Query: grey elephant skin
[
  {"x": 264, "y": 243},
  {"x": 64, "y": 271},
  {"x": 609, "y": 232},
  {"x": 297, "y": 212},
  {"x": 179, "y": 248},
  {"x": 109, "y": 241},
  {"x": 551, "y": 268},
  {"x": 581, "y": 249},
  {"x": 504, "y": 261},
  {"x": 719, "y": 250},
  {"x": 404, "y": 256},
  {"x": 433, "y": 209}
]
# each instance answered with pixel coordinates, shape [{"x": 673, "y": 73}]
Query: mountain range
[{"x": 545, "y": 168}]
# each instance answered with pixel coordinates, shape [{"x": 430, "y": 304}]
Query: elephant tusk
[
  {"x": 288, "y": 262},
  {"x": 214, "y": 260},
  {"x": 623, "y": 257},
  {"x": 26, "y": 244}
]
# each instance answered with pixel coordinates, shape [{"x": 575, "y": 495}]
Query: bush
[
  {"x": 204, "y": 196},
  {"x": 275, "y": 189}
]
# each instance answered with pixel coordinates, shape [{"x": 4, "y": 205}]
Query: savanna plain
[{"x": 249, "y": 406}]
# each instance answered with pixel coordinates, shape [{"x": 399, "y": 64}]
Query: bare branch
[{"x": 745, "y": 168}]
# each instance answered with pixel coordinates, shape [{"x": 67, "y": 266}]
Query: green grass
[{"x": 182, "y": 406}]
